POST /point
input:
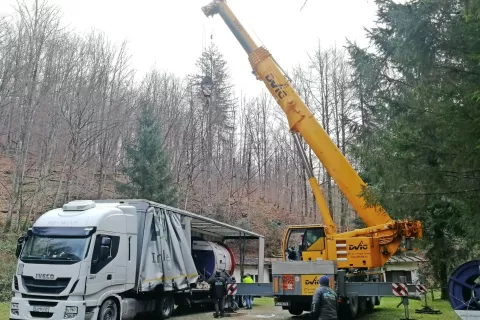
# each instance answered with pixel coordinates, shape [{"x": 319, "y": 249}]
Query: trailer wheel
[
  {"x": 108, "y": 310},
  {"x": 164, "y": 307}
]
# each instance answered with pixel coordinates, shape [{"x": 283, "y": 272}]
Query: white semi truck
[{"x": 116, "y": 259}]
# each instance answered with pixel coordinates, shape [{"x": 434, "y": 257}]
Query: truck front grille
[
  {"x": 42, "y": 303},
  {"x": 45, "y": 286}
]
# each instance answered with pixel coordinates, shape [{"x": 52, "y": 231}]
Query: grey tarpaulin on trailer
[{"x": 166, "y": 258}]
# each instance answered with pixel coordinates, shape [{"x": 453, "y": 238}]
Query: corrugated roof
[{"x": 200, "y": 224}]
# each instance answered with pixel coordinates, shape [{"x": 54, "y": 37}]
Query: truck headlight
[{"x": 70, "y": 312}]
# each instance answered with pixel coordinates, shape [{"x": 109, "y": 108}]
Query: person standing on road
[
  {"x": 324, "y": 302},
  {"x": 218, "y": 291},
  {"x": 248, "y": 299}
]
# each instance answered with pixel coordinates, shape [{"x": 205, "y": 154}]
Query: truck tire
[
  {"x": 295, "y": 310},
  {"x": 349, "y": 311},
  {"x": 164, "y": 307},
  {"x": 108, "y": 310},
  {"x": 362, "y": 305},
  {"x": 370, "y": 304}
]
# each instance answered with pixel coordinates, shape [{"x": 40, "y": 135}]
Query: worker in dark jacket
[
  {"x": 218, "y": 291},
  {"x": 324, "y": 302}
]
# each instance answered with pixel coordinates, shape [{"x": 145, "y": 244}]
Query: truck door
[{"x": 102, "y": 269}]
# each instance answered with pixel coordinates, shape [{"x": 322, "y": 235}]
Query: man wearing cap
[{"x": 324, "y": 302}]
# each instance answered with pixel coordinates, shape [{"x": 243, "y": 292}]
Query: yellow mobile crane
[{"x": 360, "y": 249}]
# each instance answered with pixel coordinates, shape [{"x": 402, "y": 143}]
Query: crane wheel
[
  {"x": 362, "y": 305},
  {"x": 295, "y": 310},
  {"x": 349, "y": 309},
  {"x": 370, "y": 304}
]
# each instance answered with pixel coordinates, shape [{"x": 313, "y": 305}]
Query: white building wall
[{"x": 406, "y": 266}]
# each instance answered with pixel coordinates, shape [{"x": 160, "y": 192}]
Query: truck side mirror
[
  {"x": 106, "y": 241},
  {"x": 20, "y": 242},
  {"x": 105, "y": 248},
  {"x": 19, "y": 249}
]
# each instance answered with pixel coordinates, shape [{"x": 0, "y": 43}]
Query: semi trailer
[{"x": 116, "y": 259}]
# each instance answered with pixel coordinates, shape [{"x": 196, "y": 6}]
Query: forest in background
[
  {"x": 405, "y": 112},
  {"x": 70, "y": 103}
]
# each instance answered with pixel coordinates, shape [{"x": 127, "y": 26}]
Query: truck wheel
[
  {"x": 362, "y": 305},
  {"x": 295, "y": 310},
  {"x": 370, "y": 304},
  {"x": 164, "y": 307},
  {"x": 108, "y": 310},
  {"x": 349, "y": 311}
]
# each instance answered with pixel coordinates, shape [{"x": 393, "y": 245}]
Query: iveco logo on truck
[
  {"x": 278, "y": 88},
  {"x": 360, "y": 246},
  {"x": 44, "y": 276}
]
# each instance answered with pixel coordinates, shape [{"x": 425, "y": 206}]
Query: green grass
[
  {"x": 388, "y": 310},
  {"x": 4, "y": 310},
  {"x": 263, "y": 302}
]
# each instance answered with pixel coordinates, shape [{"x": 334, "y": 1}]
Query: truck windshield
[
  {"x": 55, "y": 250},
  {"x": 45, "y": 247}
]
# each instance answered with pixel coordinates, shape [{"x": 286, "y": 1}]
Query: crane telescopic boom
[{"x": 301, "y": 121}]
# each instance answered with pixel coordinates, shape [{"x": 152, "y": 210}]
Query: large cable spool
[
  {"x": 464, "y": 290},
  {"x": 210, "y": 257}
]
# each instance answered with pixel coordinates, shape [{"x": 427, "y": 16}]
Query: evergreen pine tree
[
  {"x": 420, "y": 146},
  {"x": 148, "y": 165}
]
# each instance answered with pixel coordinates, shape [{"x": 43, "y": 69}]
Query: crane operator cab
[{"x": 304, "y": 243}]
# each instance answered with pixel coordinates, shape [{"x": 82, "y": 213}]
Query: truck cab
[
  {"x": 72, "y": 259},
  {"x": 304, "y": 242}
]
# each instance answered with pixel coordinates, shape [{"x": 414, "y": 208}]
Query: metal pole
[{"x": 261, "y": 258}]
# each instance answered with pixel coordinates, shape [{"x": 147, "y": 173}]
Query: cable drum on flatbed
[{"x": 210, "y": 257}]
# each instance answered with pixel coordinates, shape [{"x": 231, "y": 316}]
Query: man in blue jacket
[{"x": 324, "y": 302}]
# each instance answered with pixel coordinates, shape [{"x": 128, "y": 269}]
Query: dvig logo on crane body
[
  {"x": 313, "y": 281},
  {"x": 360, "y": 246},
  {"x": 277, "y": 87}
]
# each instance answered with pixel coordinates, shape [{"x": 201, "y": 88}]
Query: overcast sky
[{"x": 172, "y": 34}]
